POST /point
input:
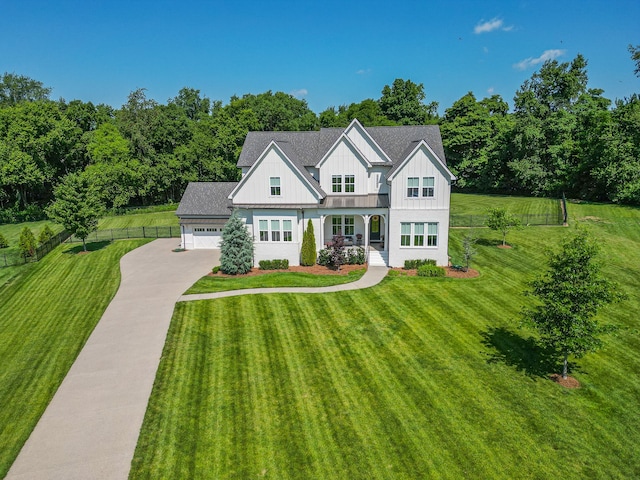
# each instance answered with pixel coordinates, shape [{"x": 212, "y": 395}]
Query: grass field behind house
[
  {"x": 47, "y": 311},
  {"x": 413, "y": 378},
  {"x": 272, "y": 280},
  {"x": 150, "y": 219},
  {"x": 472, "y": 204}
]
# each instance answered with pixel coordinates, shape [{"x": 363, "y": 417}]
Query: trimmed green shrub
[
  {"x": 413, "y": 264},
  {"x": 324, "y": 257},
  {"x": 355, "y": 256},
  {"x": 308, "y": 254},
  {"x": 46, "y": 234},
  {"x": 3, "y": 242},
  {"x": 277, "y": 264},
  {"x": 429, "y": 270},
  {"x": 236, "y": 247},
  {"x": 27, "y": 243},
  {"x": 215, "y": 269}
]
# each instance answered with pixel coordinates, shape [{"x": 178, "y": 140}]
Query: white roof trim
[
  {"x": 421, "y": 143},
  {"x": 343, "y": 136},
  {"x": 292, "y": 166},
  {"x": 356, "y": 124}
]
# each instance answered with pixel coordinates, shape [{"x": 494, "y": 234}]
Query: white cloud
[
  {"x": 363, "y": 71},
  {"x": 302, "y": 92},
  {"x": 490, "y": 90},
  {"x": 532, "y": 62},
  {"x": 485, "y": 49},
  {"x": 490, "y": 26}
]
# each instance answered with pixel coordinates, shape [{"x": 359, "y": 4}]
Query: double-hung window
[
  {"x": 264, "y": 230},
  {"x": 413, "y": 187},
  {"x": 336, "y": 225},
  {"x": 413, "y": 234},
  {"x": 343, "y": 225},
  {"x": 336, "y": 183},
  {"x": 432, "y": 234},
  {"x": 287, "y": 235},
  {"x": 274, "y": 183},
  {"x": 275, "y": 230},
  {"x": 428, "y": 189},
  {"x": 405, "y": 234},
  {"x": 349, "y": 183}
]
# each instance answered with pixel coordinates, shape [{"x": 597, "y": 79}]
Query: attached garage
[
  {"x": 207, "y": 237},
  {"x": 203, "y": 211}
]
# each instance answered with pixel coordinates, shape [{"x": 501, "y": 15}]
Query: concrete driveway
[{"x": 90, "y": 428}]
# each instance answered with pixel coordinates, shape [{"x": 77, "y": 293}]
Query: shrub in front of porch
[
  {"x": 308, "y": 253},
  {"x": 276, "y": 264},
  {"x": 429, "y": 270},
  {"x": 417, "y": 263}
]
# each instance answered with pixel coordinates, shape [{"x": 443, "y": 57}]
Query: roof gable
[
  {"x": 366, "y": 143},
  {"x": 285, "y": 152},
  {"x": 347, "y": 141},
  {"x": 410, "y": 152}
]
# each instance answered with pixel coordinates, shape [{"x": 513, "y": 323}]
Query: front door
[{"x": 374, "y": 228}]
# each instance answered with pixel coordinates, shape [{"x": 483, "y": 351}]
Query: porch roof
[{"x": 356, "y": 201}]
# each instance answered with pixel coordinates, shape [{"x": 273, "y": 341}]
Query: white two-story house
[{"x": 384, "y": 188}]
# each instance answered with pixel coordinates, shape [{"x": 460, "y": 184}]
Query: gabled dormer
[
  {"x": 278, "y": 179},
  {"x": 365, "y": 143}
]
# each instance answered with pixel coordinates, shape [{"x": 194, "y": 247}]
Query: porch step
[{"x": 378, "y": 259}]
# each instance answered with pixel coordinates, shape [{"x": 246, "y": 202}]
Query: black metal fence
[
  {"x": 14, "y": 257},
  {"x": 550, "y": 218},
  {"x": 131, "y": 232}
]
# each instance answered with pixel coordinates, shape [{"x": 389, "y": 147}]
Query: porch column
[
  {"x": 366, "y": 231},
  {"x": 322, "y": 217},
  {"x": 386, "y": 232}
]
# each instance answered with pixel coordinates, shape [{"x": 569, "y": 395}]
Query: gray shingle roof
[
  {"x": 206, "y": 199},
  {"x": 308, "y": 148}
]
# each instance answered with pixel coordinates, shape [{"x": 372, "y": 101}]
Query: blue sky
[{"x": 329, "y": 52}]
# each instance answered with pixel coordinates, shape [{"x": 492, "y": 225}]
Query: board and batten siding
[
  {"x": 256, "y": 188},
  {"x": 344, "y": 160},
  {"x": 420, "y": 165},
  {"x": 398, "y": 254},
  {"x": 365, "y": 144},
  {"x": 378, "y": 180}
]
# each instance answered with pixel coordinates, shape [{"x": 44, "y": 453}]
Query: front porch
[{"x": 368, "y": 230}]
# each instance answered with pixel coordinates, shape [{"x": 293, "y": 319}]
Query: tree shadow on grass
[
  {"x": 91, "y": 247},
  {"x": 489, "y": 242},
  {"x": 522, "y": 353}
]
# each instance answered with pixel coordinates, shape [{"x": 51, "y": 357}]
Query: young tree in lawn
[
  {"x": 468, "y": 249},
  {"x": 501, "y": 220},
  {"x": 3, "y": 242},
  {"x": 308, "y": 252},
  {"x": 77, "y": 206},
  {"x": 27, "y": 243},
  {"x": 236, "y": 248},
  {"x": 571, "y": 292}
]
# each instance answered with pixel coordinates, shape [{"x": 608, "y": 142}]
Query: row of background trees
[{"x": 559, "y": 135}]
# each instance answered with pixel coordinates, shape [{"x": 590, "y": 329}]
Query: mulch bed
[
  {"x": 568, "y": 382},
  {"x": 449, "y": 272},
  {"x": 504, "y": 246},
  {"x": 315, "y": 270}
]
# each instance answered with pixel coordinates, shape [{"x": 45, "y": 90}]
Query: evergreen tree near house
[
  {"x": 27, "y": 243},
  {"x": 308, "y": 253},
  {"x": 236, "y": 247}
]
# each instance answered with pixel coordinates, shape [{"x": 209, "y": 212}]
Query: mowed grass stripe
[{"x": 46, "y": 316}]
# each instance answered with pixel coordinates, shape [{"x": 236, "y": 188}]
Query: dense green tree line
[{"x": 559, "y": 135}]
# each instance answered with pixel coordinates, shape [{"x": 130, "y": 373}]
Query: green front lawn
[
  {"x": 47, "y": 312},
  {"x": 272, "y": 280},
  {"x": 413, "y": 378}
]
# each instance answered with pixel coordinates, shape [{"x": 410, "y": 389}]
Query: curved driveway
[{"x": 91, "y": 427}]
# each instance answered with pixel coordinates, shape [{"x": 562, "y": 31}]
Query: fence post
[
  {"x": 112, "y": 234},
  {"x": 143, "y": 233},
  {"x": 156, "y": 231}
]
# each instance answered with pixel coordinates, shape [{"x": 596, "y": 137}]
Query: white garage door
[{"x": 207, "y": 237}]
